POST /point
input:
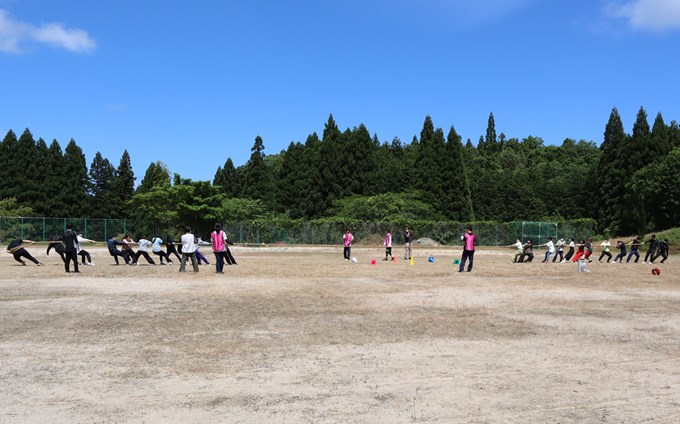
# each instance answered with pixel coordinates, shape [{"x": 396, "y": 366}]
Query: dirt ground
[{"x": 298, "y": 335}]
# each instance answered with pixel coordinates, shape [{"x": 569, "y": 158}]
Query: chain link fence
[
  {"x": 304, "y": 232},
  {"x": 42, "y": 228}
]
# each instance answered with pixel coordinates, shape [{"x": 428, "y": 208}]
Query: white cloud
[
  {"x": 654, "y": 15},
  {"x": 15, "y": 34}
]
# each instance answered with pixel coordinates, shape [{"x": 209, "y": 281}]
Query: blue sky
[{"x": 192, "y": 83}]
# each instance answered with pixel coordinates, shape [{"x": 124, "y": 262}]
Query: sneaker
[
  {"x": 23, "y": 263},
  {"x": 643, "y": 262},
  {"x": 40, "y": 264}
]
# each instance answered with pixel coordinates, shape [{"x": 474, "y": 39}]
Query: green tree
[
  {"x": 258, "y": 183},
  {"x": 636, "y": 154},
  {"x": 457, "y": 200},
  {"x": 124, "y": 187},
  {"x": 227, "y": 179},
  {"x": 73, "y": 193},
  {"x": 102, "y": 187},
  {"x": 53, "y": 204},
  {"x": 360, "y": 161},
  {"x": 10, "y": 173},
  {"x": 156, "y": 175},
  {"x": 659, "y": 184},
  {"x": 611, "y": 176}
]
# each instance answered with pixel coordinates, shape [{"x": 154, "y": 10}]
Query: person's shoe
[
  {"x": 68, "y": 271},
  {"x": 643, "y": 262},
  {"x": 78, "y": 272},
  {"x": 23, "y": 263},
  {"x": 40, "y": 264}
]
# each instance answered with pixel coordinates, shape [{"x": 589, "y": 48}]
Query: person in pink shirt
[
  {"x": 469, "y": 239},
  {"x": 347, "y": 242},
  {"x": 388, "y": 245}
]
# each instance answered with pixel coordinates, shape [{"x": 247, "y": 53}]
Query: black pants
[
  {"x": 146, "y": 256},
  {"x": 347, "y": 252},
  {"x": 23, "y": 253},
  {"x": 651, "y": 254},
  {"x": 71, "y": 255},
  {"x": 84, "y": 254},
  {"x": 172, "y": 250},
  {"x": 228, "y": 258},
  {"x": 570, "y": 253},
  {"x": 116, "y": 253},
  {"x": 559, "y": 253},
  {"x": 467, "y": 254},
  {"x": 664, "y": 254},
  {"x": 607, "y": 254},
  {"x": 163, "y": 255},
  {"x": 526, "y": 257}
]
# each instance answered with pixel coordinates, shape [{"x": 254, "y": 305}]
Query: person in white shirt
[
  {"x": 520, "y": 249},
  {"x": 605, "y": 251},
  {"x": 84, "y": 254},
  {"x": 551, "y": 249},
  {"x": 143, "y": 244},
  {"x": 559, "y": 249},
  {"x": 188, "y": 250}
]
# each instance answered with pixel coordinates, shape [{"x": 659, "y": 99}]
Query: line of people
[
  {"x": 68, "y": 247},
  {"x": 584, "y": 249}
]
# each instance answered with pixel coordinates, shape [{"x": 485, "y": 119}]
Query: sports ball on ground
[{"x": 656, "y": 271}]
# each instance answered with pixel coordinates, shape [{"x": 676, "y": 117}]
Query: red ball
[{"x": 656, "y": 271}]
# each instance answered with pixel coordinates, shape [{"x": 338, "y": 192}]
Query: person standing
[
  {"x": 17, "y": 250},
  {"x": 605, "y": 251},
  {"x": 653, "y": 246},
  {"x": 70, "y": 239},
  {"x": 217, "y": 239},
  {"x": 469, "y": 239},
  {"x": 188, "y": 250},
  {"x": 388, "y": 245},
  {"x": 408, "y": 241},
  {"x": 347, "y": 243}
]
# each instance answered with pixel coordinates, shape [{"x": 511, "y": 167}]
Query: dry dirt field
[{"x": 298, "y": 335}]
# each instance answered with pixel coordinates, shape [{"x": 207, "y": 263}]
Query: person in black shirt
[
  {"x": 663, "y": 251},
  {"x": 634, "y": 247},
  {"x": 70, "y": 248},
  {"x": 15, "y": 248},
  {"x": 622, "y": 254},
  {"x": 170, "y": 247},
  {"x": 57, "y": 245},
  {"x": 653, "y": 246}
]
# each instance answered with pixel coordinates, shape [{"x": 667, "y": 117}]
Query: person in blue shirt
[{"x": 156, "y": 243}]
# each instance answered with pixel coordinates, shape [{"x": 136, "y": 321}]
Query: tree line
[{"x": 628, "y": 184}]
